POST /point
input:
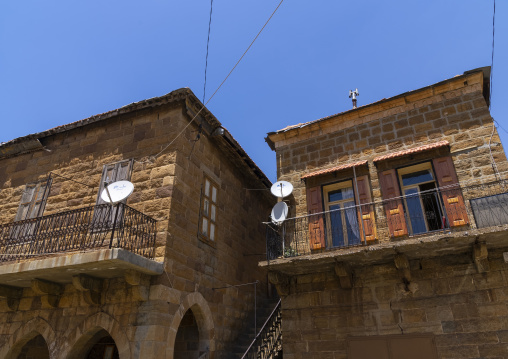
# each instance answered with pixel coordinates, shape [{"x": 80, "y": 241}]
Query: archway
[
  {"x": 192, "y": 329},
  {"x": 187, "y": 338},
  {"x": 97, "y": 335},
  {"x": 36, "y": 348},
  {"x": 35, "y": 336}
]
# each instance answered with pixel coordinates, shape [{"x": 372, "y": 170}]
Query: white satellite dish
[
  {"x": 281, "y": 189},
  {"x": 279, "y": 213},
  {"x": 118, "y": 191}
]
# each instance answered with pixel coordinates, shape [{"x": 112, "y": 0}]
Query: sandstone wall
[{"x": 466, "y": 311}]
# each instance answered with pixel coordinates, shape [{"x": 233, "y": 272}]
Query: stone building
[
  {"x": 153, "y": 276},
  {"x": 397, "y": 241}
]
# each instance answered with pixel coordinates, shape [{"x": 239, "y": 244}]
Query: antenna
[
  {"x": 116, "y": 191},
  {"x": 352, "y": 95},
  {"x": 281, "y": 189}
]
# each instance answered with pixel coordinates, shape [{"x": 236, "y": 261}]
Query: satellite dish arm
[{"x": 107, "y": 191}]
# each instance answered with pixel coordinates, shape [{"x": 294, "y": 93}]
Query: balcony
[
  {"x": 90, "y": 244},
  {"x": 95, "y": 227},
  {"x": 436, "y": 221}
]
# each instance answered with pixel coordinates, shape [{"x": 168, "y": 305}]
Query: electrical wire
[
  {"x": 207, "y": 43},
  {"x": 492, "y": 60},
  {"x": 215, "y": 92}
]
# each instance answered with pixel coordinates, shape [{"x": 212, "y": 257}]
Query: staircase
[
  {"x": 268, "y": 342},
  {"x": 268, "y": 338}
]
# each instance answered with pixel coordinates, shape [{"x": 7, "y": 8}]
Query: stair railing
[{"x": 268, "y": 341}]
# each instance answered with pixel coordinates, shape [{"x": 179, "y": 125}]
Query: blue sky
[{"x": 62, "y": 61}]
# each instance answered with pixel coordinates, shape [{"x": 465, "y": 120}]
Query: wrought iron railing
[
  {"x": 101, "y": 226},
  {"x": 426, "y": 212},
  {"x": 268, "y": 342}
]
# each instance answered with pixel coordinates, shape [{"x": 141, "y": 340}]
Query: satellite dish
[
  {"x": 118, "y": 191},
  {"x": 279, "y": 213},
  {"x": 281, "y": 189}
]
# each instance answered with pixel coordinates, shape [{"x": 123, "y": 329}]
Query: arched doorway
[
  {"x": 187, "y": 338},
  {"x": 101, "y": 346},
  {"x": 36, "y": 348}
]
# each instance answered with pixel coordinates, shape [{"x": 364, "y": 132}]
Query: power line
[
  {"x": 207, "y": 43},
  {"x": 218, "y": 88},
  {"x": 492, "y": 60}
]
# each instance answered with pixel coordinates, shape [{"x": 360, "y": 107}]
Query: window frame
[
  {"x": 34, "y": 199},
  {"x": 344, "y": 184},
  {"x": 210, "y": 236}
]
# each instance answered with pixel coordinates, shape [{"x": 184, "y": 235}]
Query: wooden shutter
[
  {"x": 393, "y": 207},
  {"x": 316, "y": 227},
  {"x": 452, "y": 197},
  {"x": 366, "y": 212},
  {"x": 120, "y": 171},
  {"x": 33, "y": 200}
]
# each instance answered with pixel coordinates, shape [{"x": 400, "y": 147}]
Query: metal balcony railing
[
  {"x": 418, "y": 213},
  {"x": 101, "y": 226}
]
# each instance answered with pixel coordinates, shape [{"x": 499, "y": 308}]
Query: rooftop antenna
[{"x": 352, "y": 95}]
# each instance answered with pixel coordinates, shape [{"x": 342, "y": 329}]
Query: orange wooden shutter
[
  {"x": 366, "y": 213},
  {"x": 452, "y": 197},
  {"x": 393, "y": 207},
  {"x": 316, "y": 227}
]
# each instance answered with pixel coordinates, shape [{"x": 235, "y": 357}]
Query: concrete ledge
[{"x": 102, "y": 263}]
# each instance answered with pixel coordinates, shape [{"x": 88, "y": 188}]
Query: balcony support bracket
[
  {"x": 12, "y": 294},
  {"x": 91, "y": 288},
  {"x": 281, "y": 281},
  {"x": 402, "y": 265},
  {"x": 343, "y": 271},
  {"x": 139, "y": 283},
  {"x": 480, "y": 257},
  {"x": 50, "y": 292}
]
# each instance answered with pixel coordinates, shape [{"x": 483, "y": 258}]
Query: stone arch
[
  {"x": 79, "y": 339},
  {"x": 27, "y": 332},
  {"x": 197, "y": 303}
]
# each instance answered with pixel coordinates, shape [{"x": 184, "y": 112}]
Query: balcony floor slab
[{"x": 103, "y": 263}]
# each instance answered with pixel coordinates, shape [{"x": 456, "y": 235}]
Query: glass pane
[
  {"x": 212, "y": 231},
  {"x": 353, "y": 229},
  {"x": 416, "y": 177},
  {"x": 204, "y": 228},
  {"x": 212, "y": 216},
  {"x": 340, "y": 194},
  {"x": 214, "y": 194},
  {"x": 336, "y": 227},
  {"x": 207, "y": 188},
  {"x": 206, "y": 205},
  {"x": 415, "y": 211}
]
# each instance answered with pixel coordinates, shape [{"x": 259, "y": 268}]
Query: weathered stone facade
[
  {"x": 140, "y": 309},
  {"x": 446, "y": 284}
]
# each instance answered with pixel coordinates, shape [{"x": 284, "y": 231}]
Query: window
[
  {"x": 422, "y": 198},
  {"x": 104, "y": 216},
  {"x": 33, "y": 200},
  {"x": 422, "y": 202},
  {"x": 113, "y": 172},
  {"x": 340, "y": 214},
  {"x": 341, "y": 218},
  {"x": 208, "y": 221}
]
